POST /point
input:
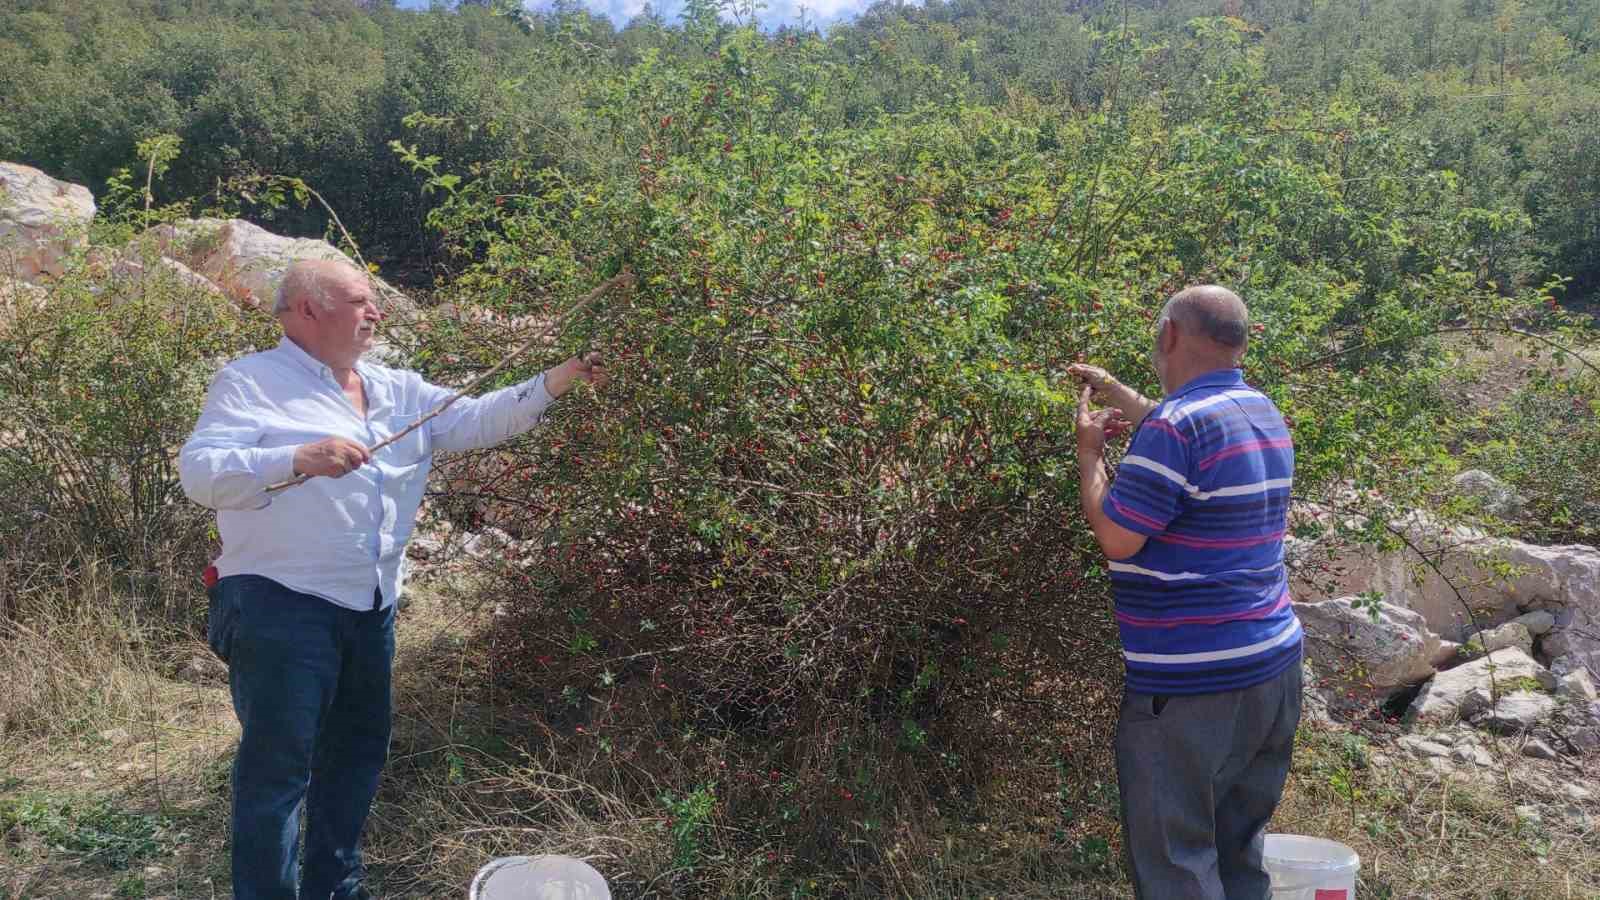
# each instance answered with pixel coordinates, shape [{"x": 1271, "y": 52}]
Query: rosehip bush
[
  {"x": 832, "y": 488},
  {"x": 101, "y": 381}
]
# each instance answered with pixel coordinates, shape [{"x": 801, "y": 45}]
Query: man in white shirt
[{"x": 303, "y": 610}]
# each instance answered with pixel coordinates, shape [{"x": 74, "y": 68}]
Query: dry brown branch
[{"x": 624, "y": 280}]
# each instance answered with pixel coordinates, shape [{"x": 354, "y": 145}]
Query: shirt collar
[
  {"x": 378, "y": 399},
  {"x": 301, "y": 358},
  {"x": 313, "y": 365},
  {"x": 1218, "y": 378}
]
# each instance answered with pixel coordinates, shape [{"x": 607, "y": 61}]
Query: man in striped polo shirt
[{"x": 1193, "y": 528}]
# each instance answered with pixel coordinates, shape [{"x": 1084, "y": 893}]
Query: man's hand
[
  {"x": 1093, "y": 376},
  {"x": 1111, "y": 392},
  {"x": 1116, "y": 541},
  {"x": 1094, "y": 426},
  {"x": 583, "y": 367},
  {"x": 332, "y": 457}
]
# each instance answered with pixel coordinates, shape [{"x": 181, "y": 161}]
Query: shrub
[
  {"x": 101, "y": 384},
  {"x": 830, "y": 507},
  {"x": 1544, "y": 440}
]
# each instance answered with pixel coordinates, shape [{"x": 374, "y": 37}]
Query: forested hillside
[{"x": 1503, "y": 94}]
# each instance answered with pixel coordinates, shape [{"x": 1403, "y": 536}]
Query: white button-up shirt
[{"x": 336, "y": 538}]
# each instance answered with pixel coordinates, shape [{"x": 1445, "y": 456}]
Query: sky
[{"x": 776, "y": 12}]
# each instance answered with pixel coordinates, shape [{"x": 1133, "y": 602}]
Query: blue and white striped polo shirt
[{"x": 1204, "y": 605}]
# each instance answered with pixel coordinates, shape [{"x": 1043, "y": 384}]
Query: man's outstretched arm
[{"x": 473, "y": 423}]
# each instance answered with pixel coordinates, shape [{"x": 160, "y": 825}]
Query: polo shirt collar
[{"x": 1218, "y": 378}]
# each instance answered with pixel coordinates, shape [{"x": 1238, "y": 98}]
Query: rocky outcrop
[
  {"x": 1461, "y": 746},
  {"x": 246, "y": 261},
  {"x": 1544, "y": 600},
  {"x": 42, "y": 222},
  {"x": 1577, "y": 686},
  {"x": 132, "y": 267},
  {"x": 1468, "y": 690},
  {"x": 1511, "y": 634},
  {"x": 1537, "y": 622},
  {"x": 1495, "y": 496},
  {"x": 1519, "y": 711},
  {"x": 17, "y": 296},
  {"x": 1363, "y": 654}
]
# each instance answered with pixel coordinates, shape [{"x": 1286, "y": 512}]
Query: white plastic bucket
[
  {"x": 1308, "y": 868},
  {"x": 538, "y": 878}
]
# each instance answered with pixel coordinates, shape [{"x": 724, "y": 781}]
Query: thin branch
[{"x": 624, "y": 280}]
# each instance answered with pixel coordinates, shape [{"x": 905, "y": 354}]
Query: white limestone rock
[
  {"x": 1537, "y": 749},
  {"x": 1511, "y": 634},
  {"x": 1498, "y": 498},
  {"x": 1468, "y": 689},
  {"x": 1449, "y": 653},
  {"x": 1497, "y": 579},
  {"x": 43, "y": 221},
  {"x": 1424, "y": 748},
  {"x": 1371, "y": 656},
  {"x": 1537, "y": 622},
  {"x": 18, "y": 297},
  {"x": 1519, "y": 711},
  {"x": 132, "y": 268},
  {"x": 248, "y": 261},
  {"x": 1577, "y": 685}
]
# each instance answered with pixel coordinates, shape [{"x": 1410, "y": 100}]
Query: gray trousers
[{"x": 1200, "y": 776}]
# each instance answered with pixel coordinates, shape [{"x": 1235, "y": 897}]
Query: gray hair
[
  {"x": 1213, "y": 311},
  {"x": 307, "y": 277}
]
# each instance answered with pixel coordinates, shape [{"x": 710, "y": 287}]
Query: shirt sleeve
[
  {"x": 221, "y": 466},
  {"x": 1152, "y": 481},
  {"x": 473, "y": 423}
]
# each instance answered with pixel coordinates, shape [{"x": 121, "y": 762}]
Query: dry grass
[
  {"x": 99, "y": 728},
  {"x": 80, "y": 661},
  {"x": 1422, "y": 833},
  {"x": 112, "y": 773}
]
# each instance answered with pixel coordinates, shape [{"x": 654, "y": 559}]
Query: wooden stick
[{"x": 623, "y": 280}]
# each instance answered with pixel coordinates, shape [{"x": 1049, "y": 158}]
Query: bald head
[
  {"x": 315, "y": 280},
  {"x": 1212, "y": 312},
  {"x": 1202, "y": 329}
]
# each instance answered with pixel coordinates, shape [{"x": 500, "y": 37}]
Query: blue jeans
[{"x": 310, "y": 684}]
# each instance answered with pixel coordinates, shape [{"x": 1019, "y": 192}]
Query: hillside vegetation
[{"x": 802, "y": 604}]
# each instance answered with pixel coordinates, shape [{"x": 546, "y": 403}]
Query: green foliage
[
  {"x": 109, "y": 836},
  {"x": 1523, "y": 683},
  {"x": 835, "y": 478},
  {"x": 826, "y": 517},
  {"x": 127, "y": 208},
  {"x": 844, "y": 416},
  {"x": 689, "y": 818},
  {"x": 316, "y": 90},
  {"x": 1544, "y": 441},
  {"x": 322, "y": 90},
  {"x": 101, "y": 383}
]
